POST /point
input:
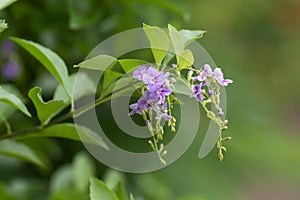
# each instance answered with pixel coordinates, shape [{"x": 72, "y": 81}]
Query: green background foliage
[{"x": 255, "y": 42}]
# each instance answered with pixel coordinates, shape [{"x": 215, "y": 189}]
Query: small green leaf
[
  {"x": 62, "y": 179},
  {"x": 13, "y": 100},
  {"x": 186, "y": 59},
  {"x": 45, "y": 110},
  {"x": 189, "y": 35},
  {"x": 131, "y": 197},
  {"x": 68, "y": 131},
  {"x": 51, "y": 61},
  {"x": 176, "y": 40},
  {"x": 159, "y": 42},
  {"x": 99, "y": 191},
  {"x": 131, "y": 64},
  {"x": 19, "y": 150},
  {"x": 3, "y": 25},
  {"x": 84, "y": 169},
  {"x": 100, "y": 62}
]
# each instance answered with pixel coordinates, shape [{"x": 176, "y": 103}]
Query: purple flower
[
  {"x": 139, "y": 73},
  {"x": 207, "y": 71},
  {"x": 220, "y": 77},
  {"x": 163, "y": 92},
  {"x": 164, "y": 113},
  {"x": 11, "y": 70},
  {"x": 139, "y": 106},
  {"x": 197, "y": 92}
]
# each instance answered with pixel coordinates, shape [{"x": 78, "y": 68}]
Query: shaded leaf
[
  {"x": 86, "y": 87},
  {"x": 45, "y": 110},
  {"x": 99, "y": 191},
  {"x": 100, "y": 62},
  {"x": 19, "y": 150},
  {"x": 109, "y": 78},
  {"x": 51, "y": 61},
  {"x": 62, "y": 179},
  {"x": 84, "y": 169},
  {"x": 13, "y": 100},
  {"x": 131, "y": 197},
  {"x": 159, "y": 42}
]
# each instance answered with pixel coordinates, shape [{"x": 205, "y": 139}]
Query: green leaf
[
  {"x": 186, "y": 59},
  {"x": 5, "y": 3},
  {"x": 51, "y": 61},
  {"x": 112, "y": 178},
  {"x": 99, "y": 191},
  {"x": 13, "y": 100},
  {"x": 84, "y": 169},
  {"x": 176, "y": 40},
  {"x": 62, "y": 179},
  {"x": 100, "y": 62},
  {"x": 159, "y": 42},
  {"x": 45, "y": 110},
  {"x": 86, "y": 88},
  {"x": 19, "y": 150},
  {"x": 68, "y": 131},
  {"x": 189, "y": 35},
  {"x": 131, "y": 64},
  {"x": 3, "y": 25},
  {"x": 109, "y": 78}
]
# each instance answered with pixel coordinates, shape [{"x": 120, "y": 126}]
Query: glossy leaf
[
  {"x": 100, "y": 62},
  {"x": 3, "y": 25},
  {"x": 50, "y": 60},
  {"x": 176, "y": 40},
  {"x": 159, "y": 42},
  {"x": 109, "y": 78},
  {"x": 99, "y": 191},
  {"x": 45, "y": 110},
  {"x": 68, "y": 131},
  {"x": 19, "y": 150},
  {"x": 13, "y": 100},
  {"x": 131, "y": 64}
]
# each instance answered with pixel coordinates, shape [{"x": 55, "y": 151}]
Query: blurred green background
[{"x": 256, "y": 43}]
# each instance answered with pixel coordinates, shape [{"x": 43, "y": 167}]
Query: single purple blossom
[
  {"x": 139, "y": 106},
  {"x": 197, "y": 92},
  {"x": 11, "y": 70},
  {"x": 207, "y": 71},
  {"x": 218, "y": 74},
  {"x": 163, "y": 92}
]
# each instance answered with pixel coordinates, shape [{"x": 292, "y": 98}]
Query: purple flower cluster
[
  {"x": 205, "y": 77},
  {"x": 158, "y": 87}
]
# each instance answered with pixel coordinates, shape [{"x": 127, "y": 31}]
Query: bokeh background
[{"x": 256, "y": 43}]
